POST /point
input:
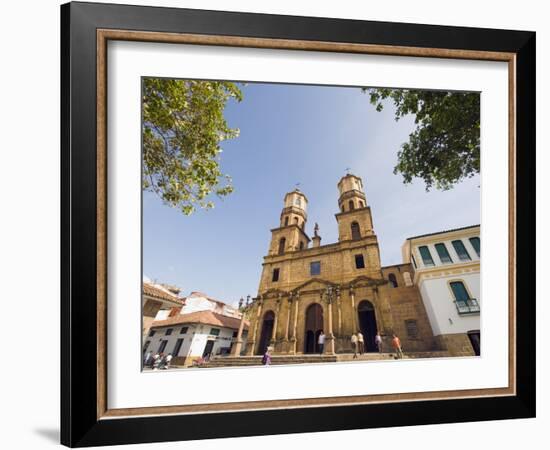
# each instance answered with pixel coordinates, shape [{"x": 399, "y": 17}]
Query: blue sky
[{"x": 296, "y": 134}]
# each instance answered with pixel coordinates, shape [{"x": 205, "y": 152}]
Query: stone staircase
[
  {"x": 239, "y": 361},
  {"x": 242, "y": 361}
]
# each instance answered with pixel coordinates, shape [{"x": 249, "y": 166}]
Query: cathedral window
[
  {"x": 315, "y": 268},
  {"x": 355, "y": 231},
  {"x": 301, "y": 245},
  {"x": 359, "y": 262},
  {"x": 275, "y": 276},
  {"x": 393, "y": 280},
  {"x": 296, "y": 220},
  {"x": 351, "y": 205},
  {"x": 286, "y": 221},
  {"x": 282, "y": 243}
]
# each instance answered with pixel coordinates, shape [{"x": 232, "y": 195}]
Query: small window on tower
[
  {"x": 361, "y": 204},
  {"x": 282, "y": 243},
  {"x": 286, "y": 221},
  {"x": 275, "y": 276},
  {"x": 359, "y": 262},
  {"x": 355, "y": 232},
  {"x": 301, "y": 245},
  {"x": 351, "y": 205}
]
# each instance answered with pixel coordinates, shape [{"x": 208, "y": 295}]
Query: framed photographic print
[{"x": 277, "y": 224}]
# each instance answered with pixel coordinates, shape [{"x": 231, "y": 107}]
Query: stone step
[{"x": 234, "y": 361}]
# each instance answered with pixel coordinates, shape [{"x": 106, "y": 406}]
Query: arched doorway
[
  {"x": 267, "y": 331},
  {"x": 314, "y": 326},
  {"x": 367, "y": 324}
]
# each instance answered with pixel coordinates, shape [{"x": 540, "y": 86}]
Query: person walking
[
  {"x": 354, "y": 345},
  {"x": 161, "y": 360},
  {"x": 168, "y": 360},
  {"x": 396, "y": 344},
  {"x": 147, "y": 359},
  {"x": 321, "y": 342},
  {"x": 154, "y": 360},
  {"x": 378, "y": 341},
  {"x": 266, "y": 359},
  {"x": 361, "y": 343}
]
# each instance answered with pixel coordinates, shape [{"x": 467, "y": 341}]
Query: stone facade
[
  {"x": 345, "y": 279},
  {"x": 458, "y": 344}
]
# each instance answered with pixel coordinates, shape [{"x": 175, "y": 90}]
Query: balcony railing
[{"x": 467, "y": 307}]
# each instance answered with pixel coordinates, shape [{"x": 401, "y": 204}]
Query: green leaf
[{"x": 183, "y": 126}]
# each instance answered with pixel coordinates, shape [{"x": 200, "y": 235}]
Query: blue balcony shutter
[
  {"x": 443, "y": 253},
  {"x": 475, "y": 243},
  {"x": 459, "y": 291},
  {"x": 461, "y": 251},
  {"x": 426, "y": 256}
]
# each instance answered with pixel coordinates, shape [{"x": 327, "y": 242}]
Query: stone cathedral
[{"x": 338, "y": 288}]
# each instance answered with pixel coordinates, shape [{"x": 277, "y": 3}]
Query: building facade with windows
[
  {"x": 339, "y": 288},
  {"x": 191, "y": 336},
  {"x": 447, "y": 272},
  {"x": 157, "y": 299}
]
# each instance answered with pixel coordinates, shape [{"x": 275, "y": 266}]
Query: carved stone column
[
  {"x": 289, "y": 310},
  {"x": 250, "y": 348},
  {"x": 236, "y": 349},
  {"x": 386, "y": 320},
  {"x": 293, "y": 339},
  {"x": 339, "y": 305},
  {"x": 329, "y": 337},
  {"x": 275, "y": 321},
  {"x": 355, "y": 318}
]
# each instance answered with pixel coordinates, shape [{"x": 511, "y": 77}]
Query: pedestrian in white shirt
[
  {"x": 168, "y": 359},
  {"x": 354, "y": 345},
  {"x": 361, "y": 343},
  {"x": 321, "y": 342}
]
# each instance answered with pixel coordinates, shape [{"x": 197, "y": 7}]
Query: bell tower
[
  {"x": 354, "y": 218},
  {"x": 290, "y": 236}
]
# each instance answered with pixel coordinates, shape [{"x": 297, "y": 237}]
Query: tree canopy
[
  {"x": 183, "y": 126},
  {"x": 444, "y": 148}
]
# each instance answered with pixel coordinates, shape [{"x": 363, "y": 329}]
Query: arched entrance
[
  {"x": 367, "y": 324},
  {"x": 313, "y": 328},
  {"x": 267, "y": 331}
]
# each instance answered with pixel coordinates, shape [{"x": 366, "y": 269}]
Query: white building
[
  {"x": 197, "y": 301},
  {"x": 193, "y": 335},
  {"x": 446, "y": 270}
]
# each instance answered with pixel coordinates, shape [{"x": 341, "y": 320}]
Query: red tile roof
[
  {"x": 161, "y": 294},
  {"x": 201, "y": 317}
]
